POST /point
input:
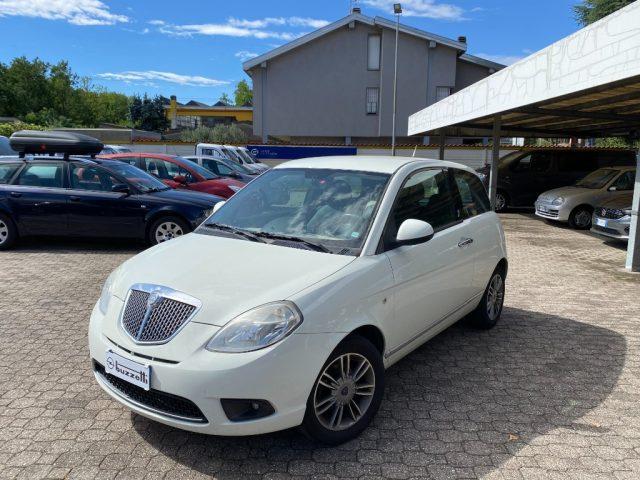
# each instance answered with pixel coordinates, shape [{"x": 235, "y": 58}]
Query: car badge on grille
[{"x": 160, "y": 316}]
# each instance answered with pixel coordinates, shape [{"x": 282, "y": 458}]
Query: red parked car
[{"x": 177, "y": 172}]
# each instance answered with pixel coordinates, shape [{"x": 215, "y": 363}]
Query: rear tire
[
  {"x": 8, "y": 232},
  {"x": 580, "y": 217},
  {"x": 347, "y": 393},
  {"x": 488, "y": 311},
  {"x": 167, "y": 228}
]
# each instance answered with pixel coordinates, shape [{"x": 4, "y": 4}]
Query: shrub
[
  {"x": 6, "y": 129},
  {"x": 219, "y": 134}
]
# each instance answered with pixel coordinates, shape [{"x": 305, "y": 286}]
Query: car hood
[
  {"x": 567, "y": 192},
  {"x": 229, "y": 276},
  {"x": 622, "y": 202},
  {"x": 185, "y": 197}
]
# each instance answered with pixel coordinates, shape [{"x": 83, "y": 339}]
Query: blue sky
[{"x": 194, "y": 49}]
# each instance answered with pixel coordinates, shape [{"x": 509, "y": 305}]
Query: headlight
[
  {"x": 235, "y": 188},
  {"x": 558, "y": 201},
  {"x": 105, "y": 295},
  {"x": 258, "y": 328}
]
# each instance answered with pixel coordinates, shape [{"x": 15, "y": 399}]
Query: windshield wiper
[
  {"x": 313, "y": 246},
  {"x": 235, "y": 231}
]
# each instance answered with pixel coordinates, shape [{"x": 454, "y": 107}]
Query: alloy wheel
[
  {"x": 4, "y": 231},
  {"x": 344, "y": 391},
  {"x": 501, "y": 202},
  {"x": 167, "y": 231},
  {"x": 495, "y": 296}
]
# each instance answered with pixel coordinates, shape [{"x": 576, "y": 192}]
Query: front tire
[
  {"x": 347, "y": 393},
  {"x": 167, "y": 228},
  {"x": 8, "y": 232},
  {"x": 580, "y": 218},
  {"x": 502, "y": 201},
  {"x": 488, "y": 312}
]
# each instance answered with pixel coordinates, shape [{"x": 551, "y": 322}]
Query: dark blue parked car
[{"x": 84, "y": 197}]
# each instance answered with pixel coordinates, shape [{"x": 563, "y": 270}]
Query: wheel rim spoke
[{"x": 350, "y": 381}]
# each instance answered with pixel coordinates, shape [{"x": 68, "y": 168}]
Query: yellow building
[{"x": 196, "y": 114}]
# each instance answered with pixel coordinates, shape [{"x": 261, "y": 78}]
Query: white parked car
[
  {"x": 575, "y": 204},
  {"x": 287, "y": 304},
  {"x": 245, "y": 158},
  {"x": 229, "y": 152}
]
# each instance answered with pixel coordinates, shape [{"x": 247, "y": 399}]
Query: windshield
[
  {"x": 238, "y": 167},
  {"x": 232, "y": 155},
  {"x": 332, "y": 209},
  {"x": 247, "y": 158},
  {"x": 598, "y": 179},
  {"x": 136, "y": 177},
  {"x": 203, "y": 172}
]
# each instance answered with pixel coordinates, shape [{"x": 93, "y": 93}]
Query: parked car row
[
  {"x": 68, "y": 195},
  {"x": 239, "y": 155}
]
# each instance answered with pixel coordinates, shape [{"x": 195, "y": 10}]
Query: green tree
[
  {"x": 224, "y": 98},
  {"x": 590, "y": 11},
  {"x": 221, "y": 133},
  {"x": 243, "y": 94},
  {"x": 148, "y": 113}
]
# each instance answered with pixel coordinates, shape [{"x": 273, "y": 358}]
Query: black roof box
[{"x": 51, "y": 142}]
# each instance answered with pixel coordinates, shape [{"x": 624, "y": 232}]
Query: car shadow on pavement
[
  {"x": 463, "y": 404},
  {"x": 77, "y": 245}
]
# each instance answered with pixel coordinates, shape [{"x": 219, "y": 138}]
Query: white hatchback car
[{"x": 287, "y": 304}]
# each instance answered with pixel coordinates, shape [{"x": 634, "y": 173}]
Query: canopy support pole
[
  {"x": 633, "y": 248},
  {"x": 441, "y": 146},
  {"x": 495, "y": 158}
]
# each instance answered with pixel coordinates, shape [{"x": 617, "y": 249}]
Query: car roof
[{"x": 368, "y": 163}]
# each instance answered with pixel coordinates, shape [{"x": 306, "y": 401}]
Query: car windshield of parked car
[
  {"x": 238, "y": 167},
  {"x": 598, "y": 179},
  {"x": 321, "y": 209},
  {"x": 203, "y": 172},
  {"x": 138, "y": 178},
  {"x": 246, "y": 157}
]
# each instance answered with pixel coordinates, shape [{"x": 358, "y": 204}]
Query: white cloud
[
  {"x": 241, "y": 27},
  {"x": 503, "y": 59},
  {"x": 156, "y": 22},
  {"x": 245, "y": 55},
  {"x": 77, "y": 12},
  {"x": 145, "y": 77},
  {"x": 420, "y": 8}
]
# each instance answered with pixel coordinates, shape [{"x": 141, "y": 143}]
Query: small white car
[
  {"x": 244, "y": 158},
  {"x": 228, "y": 152},
  {"x": 286, "y": 305},
  {"x": 575, "y": 204}
]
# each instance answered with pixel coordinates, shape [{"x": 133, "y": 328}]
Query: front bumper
[
  {"x": 612, "y": 228},
  {"x": 551, "y": 212},
  {"x": 282, "y": 374}
]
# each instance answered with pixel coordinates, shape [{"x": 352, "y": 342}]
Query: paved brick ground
[{"x": 552, "y": 392}]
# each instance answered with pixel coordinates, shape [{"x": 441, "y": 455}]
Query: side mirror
[
  {"x": 181, "y": 179},
  {"x": 121, "y": 188},
  {"x": 218, "y": 206},
  {"x": 413, "y": 231}
]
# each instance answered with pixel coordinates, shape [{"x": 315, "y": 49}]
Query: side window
[
  {"x": 130, "y": 160},
  {"x": 7, "y": 171},
  {"x": 211, "y": 165},
  {"x": 541, "y": 162},
  {"x": 626, "y": 181},
  {"x": 577, "y": 162},
  {"x": 42, "y": 175},
  {"x": 165, "y": 170},
  {"x": 95, "y": 179},
  {"x": 472, "y": 192},
  {"x": 522, "y": 165},
  {"x": 427, "y": 195},
  {"x": 223, "y": 169}
]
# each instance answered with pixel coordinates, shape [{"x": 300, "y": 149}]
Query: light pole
[{"x": 397, "y": 9}]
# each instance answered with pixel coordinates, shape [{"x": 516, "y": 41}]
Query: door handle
[
  {"x": 73, "y": 198},
  {"x": 464, "y": 242},
  {"x": 15, "y": 194}
]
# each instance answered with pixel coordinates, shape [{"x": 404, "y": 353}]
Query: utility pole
[{"x": 397, "y": 9}]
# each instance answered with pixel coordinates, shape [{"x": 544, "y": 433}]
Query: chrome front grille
[
  {"x": 613, "y": 213},
  {"x": 154, "y": 314}
]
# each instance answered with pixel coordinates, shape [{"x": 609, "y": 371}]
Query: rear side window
[
  {"x": 7, "y": 171},
  {"x": 626, "y": 181},
  {"x": 42, "y": 175},
  {"x": 472, "y": 192},
  {"x": 84, "y": 177}
]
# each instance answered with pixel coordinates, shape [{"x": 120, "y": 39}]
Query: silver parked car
[
  {"x": 575, "y": 204},
  {"x": 613, "y": 217}
]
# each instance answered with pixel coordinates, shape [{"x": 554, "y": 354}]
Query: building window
[
  {"x": 373, "y": 52},
  {"x": 442, "y": 92},
  {"x": 372, "y": 100}
]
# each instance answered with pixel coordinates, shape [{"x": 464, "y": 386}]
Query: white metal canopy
[{"x": 585, "y": 85}]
